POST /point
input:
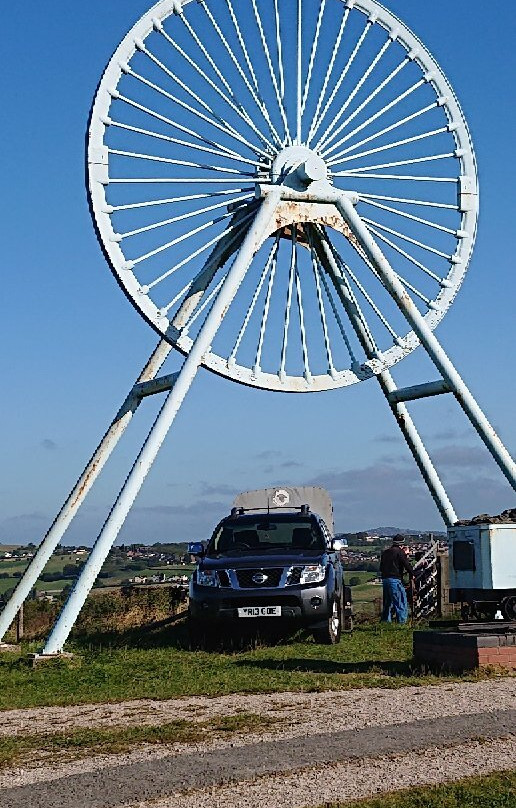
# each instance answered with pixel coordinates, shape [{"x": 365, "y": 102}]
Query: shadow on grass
[
  {"x": 330, "y": 667},
  {"x": 175, "y": 632}
]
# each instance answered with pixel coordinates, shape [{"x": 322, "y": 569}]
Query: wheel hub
[{"x": 298, "y": 167}]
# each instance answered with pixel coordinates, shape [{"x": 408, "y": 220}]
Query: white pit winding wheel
[{"x": 286, "y": 190}]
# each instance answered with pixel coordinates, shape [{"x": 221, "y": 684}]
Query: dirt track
[{"x": 325, "y": 746}]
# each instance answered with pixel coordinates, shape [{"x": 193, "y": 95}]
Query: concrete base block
[
  {"x": 454, "y": 650},
  {"x": 9, "y": 647},
  {"x": 37, "y": 659}
]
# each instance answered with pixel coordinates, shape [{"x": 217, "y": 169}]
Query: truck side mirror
[{"x": 196, "y": 548}]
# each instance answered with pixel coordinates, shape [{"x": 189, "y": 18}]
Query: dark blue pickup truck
[{"x": 279, "y": 565}]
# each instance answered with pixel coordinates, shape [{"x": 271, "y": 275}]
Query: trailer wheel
[{"x": 509, "y": 607}]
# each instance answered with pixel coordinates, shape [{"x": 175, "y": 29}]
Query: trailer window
[{"x": 463, "y": 555}]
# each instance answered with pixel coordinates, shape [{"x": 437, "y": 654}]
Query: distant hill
[
  {"x": 405, "y": 531},
  {"x": 391, "y": 531}
]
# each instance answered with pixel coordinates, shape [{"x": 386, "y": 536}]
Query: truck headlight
[
  {"x": 207, "y": 578},
  {"x": 309, "y": 574}
]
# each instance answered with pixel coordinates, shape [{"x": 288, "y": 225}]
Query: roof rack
[{"x": 304, "y": 509}]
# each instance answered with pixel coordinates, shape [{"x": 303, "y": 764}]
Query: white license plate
[{"x": 259, "y": 611}]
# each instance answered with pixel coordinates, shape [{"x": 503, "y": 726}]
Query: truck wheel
[{"x": 330, "y": 634}]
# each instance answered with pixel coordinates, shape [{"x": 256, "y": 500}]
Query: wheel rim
[
  {"x": 335, "y": 619},
  {"x": 195, "y": 101}
]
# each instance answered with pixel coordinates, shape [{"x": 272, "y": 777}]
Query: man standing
[{"x": 393, "y": 564}]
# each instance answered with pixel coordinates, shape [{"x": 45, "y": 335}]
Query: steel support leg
[
  {"x": 81, "y": 489},
  {"x": 388, "y": 385},
  {"x": 161, "y": 426},
  {"x": 428, "y": 339}
]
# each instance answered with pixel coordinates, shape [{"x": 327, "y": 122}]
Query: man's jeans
[{"x": 394, "y": 597}]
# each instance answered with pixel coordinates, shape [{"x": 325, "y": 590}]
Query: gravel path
[
  {"x": 343, "y": 734},
  {"x": 301, "y": 713},
  {"x": 152, "y": 779}
]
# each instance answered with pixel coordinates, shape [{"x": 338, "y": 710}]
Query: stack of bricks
[{"x": 455, "y": 650}]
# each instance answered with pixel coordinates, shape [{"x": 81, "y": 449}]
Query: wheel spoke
[
  {"x": 179, "y": 239},
  {"x": 175, "y": 199},
  {"x": 288, "y": 306},
  {"x": 153, "y": 158},
  {"x": 230, "y": 100},
  {"x": 234, "y": 106},
  {"x": 199, "y": 310},
  {"x": 404, "y": 201},
  {"x": 265, "y": 313},
  {"x": 406, "y": 283},
  {"x": 255, "y": 92},
  {"x": 325, "y": 151},
  {"x": 313, "y": 52},
  {"x": 410, "y": 240},
  {"x": 237, "y": 65},
  {"x": 414, "y": 161},
  {"x": 180, "y": 142},
  {"x": 256, "y": 295},
  {"x": 304, "y": 348},
  {"x": 327, "y": 139},
  {"x": 384, "y": 131},
  {"x": 407, "y": 177},
  {"x": 395, "y": 145},
  {"x": 179, "y": 218},
  {"x": 168, "y": 180},
  {"x": 197, "y": 252},
  {"x": 222, "y": 126},
  {"x": 346, "y": 268},
  {"x": 299, "y": 68},
  {"x": 356, "y": 88},
  {"x": 336, "y": 314},
  {"x": 410, "y": 216},
  {"x": 336, "y": 46},
  {"x": 272, "y": 74},
  {"x": 174, "y": 124},
  {"x": 365, "y": 325},
  {"x": 322, "y": 312}
]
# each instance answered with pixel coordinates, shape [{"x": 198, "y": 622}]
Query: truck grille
[{"x": 272, "y": 578}]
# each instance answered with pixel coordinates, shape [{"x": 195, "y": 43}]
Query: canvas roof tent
[{"x": 289, "y": 498}]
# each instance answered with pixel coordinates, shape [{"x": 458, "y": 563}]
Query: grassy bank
[
  {"x": 493, "y": 791},
  {"x": 158, "y": 662}
]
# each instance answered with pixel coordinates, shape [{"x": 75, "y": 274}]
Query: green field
[
  {"x": 158, "y": 661},
  {"x": 57, "y": 562},
  {"x": 364, "y": 577},
  {"x": 53, "y": 586}
]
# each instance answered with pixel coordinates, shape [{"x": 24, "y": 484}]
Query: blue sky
[{"x": 73, "y": 344}]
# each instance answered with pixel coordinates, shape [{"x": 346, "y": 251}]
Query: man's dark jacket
[{"x": 394, "y": 562}]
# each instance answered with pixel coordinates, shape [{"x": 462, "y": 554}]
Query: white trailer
[{"x": 483, "y": 569}]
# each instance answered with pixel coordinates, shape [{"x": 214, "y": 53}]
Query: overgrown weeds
[{"x": 84, "y": 742}]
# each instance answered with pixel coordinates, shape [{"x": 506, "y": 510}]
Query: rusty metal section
[{"x": 290, "y": 213}]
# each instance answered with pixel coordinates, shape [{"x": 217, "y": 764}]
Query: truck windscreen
[{"x": 266, "y": 534}]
